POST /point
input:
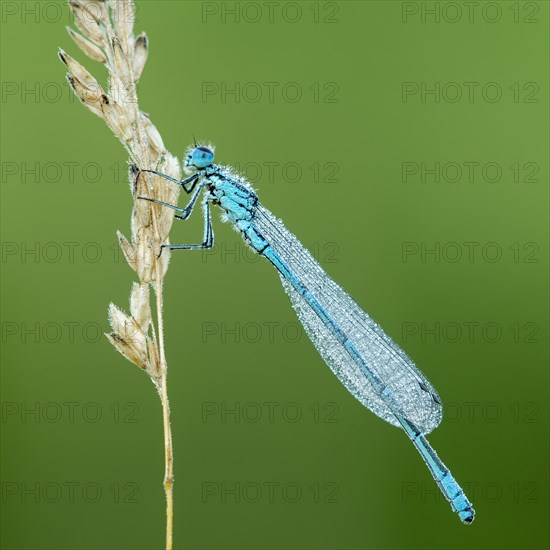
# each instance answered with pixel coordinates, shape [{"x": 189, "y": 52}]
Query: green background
[{"x": 362, "y": 484}]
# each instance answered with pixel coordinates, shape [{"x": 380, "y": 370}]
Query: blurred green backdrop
[{"x": 406, "y": 144}]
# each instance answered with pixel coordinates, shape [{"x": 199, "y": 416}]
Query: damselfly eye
[{"x": 202, "y": 157}]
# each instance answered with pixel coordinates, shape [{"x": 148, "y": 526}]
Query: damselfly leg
[
  {"x": 192, "y": 179},
  {"x": 185, "y": 212},
  {"x": 208, "y": 237}
]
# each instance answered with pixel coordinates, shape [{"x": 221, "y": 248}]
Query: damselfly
[{"x": 365, "y": 359}]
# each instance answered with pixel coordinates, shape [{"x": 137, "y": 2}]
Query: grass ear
[{"x": 105, "y": 35}]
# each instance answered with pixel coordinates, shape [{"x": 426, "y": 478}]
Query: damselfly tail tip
[{"x": 467, "y": 516}]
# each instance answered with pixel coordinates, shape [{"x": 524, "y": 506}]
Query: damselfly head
[{"x": 199, "y": 157}]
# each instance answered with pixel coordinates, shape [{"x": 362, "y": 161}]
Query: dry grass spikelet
[{"x": 104, "y": 33}]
